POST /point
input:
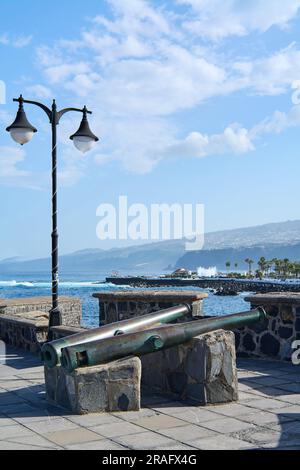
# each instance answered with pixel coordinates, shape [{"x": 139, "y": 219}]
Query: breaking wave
[{"x": 65, "y": 284}]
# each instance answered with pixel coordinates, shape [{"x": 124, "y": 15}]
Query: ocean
[{"x": 38, "y": 284}]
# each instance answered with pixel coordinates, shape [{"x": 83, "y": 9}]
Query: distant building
[{"x": 181, "y": 272}]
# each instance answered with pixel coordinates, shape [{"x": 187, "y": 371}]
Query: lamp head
[
  {"x": 21, "y": 130},
  {"x": 84, "y": 139}
]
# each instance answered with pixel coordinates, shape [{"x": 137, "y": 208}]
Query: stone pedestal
[
  {"x": 108, "y": 387},
  {"x": 203, "y": 370}
]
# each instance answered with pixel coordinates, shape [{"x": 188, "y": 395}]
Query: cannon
[
  {"x": 147, "y": 341},
  {"x": 51, "y": 352}
]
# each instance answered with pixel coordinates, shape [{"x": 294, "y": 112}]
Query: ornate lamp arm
[{"x": 36, "y": 103}]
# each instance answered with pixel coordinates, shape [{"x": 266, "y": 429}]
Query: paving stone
[
  {"x": 288, "y": 427},
  {"x": 134, "y": 416},
  {"x": 187, "y": 433},
  {"x": 13, "y": 410},
  {"x": 116, "y": 429},
  {"x": 14, "y": 431},
  {"x": 13, "y": 384},
  {"x": 10, "y": 399},
  {"x": 266, "y": 381},
  {"x": 145, "y": 441},
  {"x": 234, "y": 409},
  {"x": 171, "y": 408},
  {"x": 222, "y": 443},
  {"x": 73, "y": 436},
  {"x": 227, "y": 425},
  {"x": 244, "y": 397},
  {"x": 177, "y": 446},
  {"x": 51, "y": 424},
  {"x": 269, "y": 392},
  {"x": 31, "y": 414},
  {"x": 160, "y": 422},
  {"x": 293, "y": 444},
  {"x": 262, "y": 381},
  {"x": 34, "y": 440},
  {"x": 290, "y": 411},
  {"x": 5, "y": 445},
  {"x": 265, "y": 403},
  {"x": 93, "y": 419},
  {"x": 261, "y": 418},
  {"x": 6, "y": 422},
  {"x": 291, "y": 387},
  {"x": 196, "y": 415},
  {"x": 263, "y": 436},
  {"x": 293, "y": 398},
  {"x": 104, "y": 444}
]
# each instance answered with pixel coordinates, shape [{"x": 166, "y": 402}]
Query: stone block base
[
  {"x": 108, "y": 387},
  {"x": 203, "y": 370}
]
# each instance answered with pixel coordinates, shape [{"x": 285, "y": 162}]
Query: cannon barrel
[
  {"x": 51, "y": 352},
  {"x": 154, "y": 339}
]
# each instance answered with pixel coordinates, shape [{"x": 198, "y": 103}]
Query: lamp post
[{"x": 21, "y": 132}]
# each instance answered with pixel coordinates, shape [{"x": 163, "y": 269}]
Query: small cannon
[
  {"x": 51, "y": 352},
  {"x": 123, "y": 343}
]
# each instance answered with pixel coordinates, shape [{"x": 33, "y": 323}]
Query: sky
[{"x": 194, "y": 101}]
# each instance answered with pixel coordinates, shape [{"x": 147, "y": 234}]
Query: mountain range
[{"x": 280, "y": 240}]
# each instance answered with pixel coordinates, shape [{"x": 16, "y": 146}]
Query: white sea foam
[
  {"x": 66, "y": 284},
  {"x": 14, "y": 283},
  {"x": 207, "y": 272}
]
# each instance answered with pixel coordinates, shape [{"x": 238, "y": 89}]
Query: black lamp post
[{"x": 22, "y": 131}]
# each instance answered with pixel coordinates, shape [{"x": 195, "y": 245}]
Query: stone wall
[
  {"x": 237, "y": 285},
  {"x": 203, "y": 370},
  {"x": 24, "y": 321},
  {"x": 274, "y": 337},
  {"x": 70, "y": 307},
  {"x": 28, "y": 331},
  {"x": 122, "y": 305}
]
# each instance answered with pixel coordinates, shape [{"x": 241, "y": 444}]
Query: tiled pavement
[{"x": 267, "y": 415}]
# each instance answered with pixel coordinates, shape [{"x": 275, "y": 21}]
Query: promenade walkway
[{"x": 267, "y": 415}]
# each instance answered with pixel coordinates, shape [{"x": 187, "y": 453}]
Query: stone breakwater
[{"x": 236, "y": 285}]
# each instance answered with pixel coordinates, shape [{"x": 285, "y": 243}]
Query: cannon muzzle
[{"x": 151, "y": 340}]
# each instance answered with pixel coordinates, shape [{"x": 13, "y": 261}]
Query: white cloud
[
  {"x": 39, "y": 91},
  {"x": 233, "y": 140},
  {"x": 217, "y": 19},
  {"x": 272, "y": 75},
  {"x": 139, "y": 66},
  {"x": 18, "y": 41},
  {"x": 10, "y": 173}
]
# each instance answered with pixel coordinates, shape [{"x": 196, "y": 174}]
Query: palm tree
[
  {"x": 286, "y": 266},
  {"x": 236, "y": 265},
  {"x": 249, "y": 261},
  {"x": 263, "y": 264},
  {"x": 228, "y": 264}
]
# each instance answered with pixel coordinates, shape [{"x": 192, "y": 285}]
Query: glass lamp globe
[
  {"x": 21, "y": 135},
  {"x": 84, "y": 143}
]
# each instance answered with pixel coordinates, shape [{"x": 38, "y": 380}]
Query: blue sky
[{"x": 192, "y": 99}]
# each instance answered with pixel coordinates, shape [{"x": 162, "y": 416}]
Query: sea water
[{"x": 38, "y": 284}]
